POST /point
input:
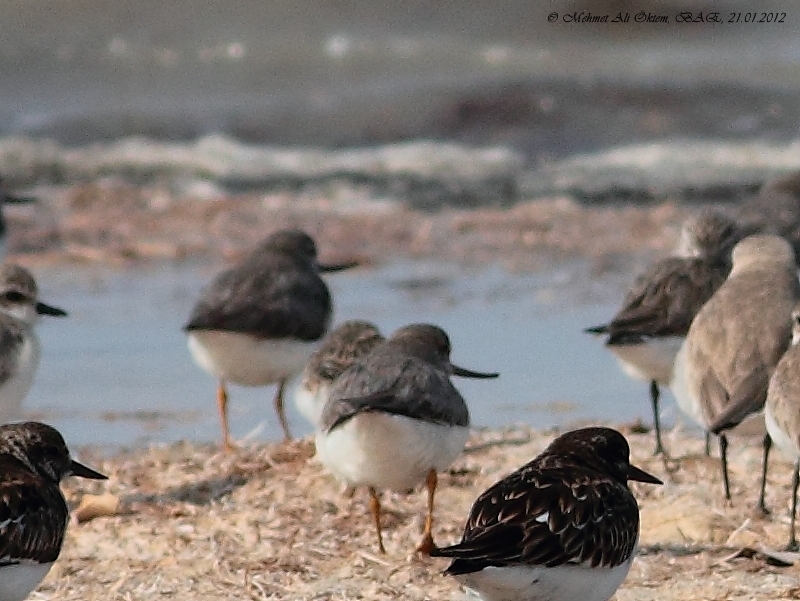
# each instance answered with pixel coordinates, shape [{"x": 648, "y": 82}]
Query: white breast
[
  {"x": 310, "y": 403},
  {"x": 562, "y": 583},
  {"x": 14, "y": 390},
  {"x": 682, "y": 389},
  {"x": 783, "y": 441},
  {"x": 247, "y": 360},
  {"x": 649, "y": 360},
  {"x": 17, "y": 581},
  {"x": 389, "y": 451}
]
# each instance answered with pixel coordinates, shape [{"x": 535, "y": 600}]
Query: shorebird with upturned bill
[
  {"x": 394, "y": 419},
  {"x": 258, "y": 322},
  {"x": 563, "y": 527},
  {"x": 33, "y": 513},
  {"x": 339, "y": 350},
  {"x": 782, "y": 413},
  {"x": 648, "y": 330},
  {"x": 20, "y": 349},
  {"x": 723, "y": 368}
]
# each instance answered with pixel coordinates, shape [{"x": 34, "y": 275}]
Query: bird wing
[
  {"x": 664, "y": 300},
  {"x": 398, "y": 385},
  {"x": 33, "y": 515},
  {"x": 275, "y": 300},
  {"x": 547, "y": 517}
]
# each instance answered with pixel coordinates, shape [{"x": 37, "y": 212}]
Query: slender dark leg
[
  {"x": 795, "y": 483},
  {"x": 222, "y": 406},
  {"x": 762, "y": 506},
  {"x": 375, "y": 506},
  {"x": 654, "y": 394},
  {"x": 723, "y": 453},
  {"x": 708, "y": 444},
  {"x": 281, "y": 414},
  {"x": 427, "y": 545}
]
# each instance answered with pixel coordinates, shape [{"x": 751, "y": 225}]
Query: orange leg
[
  {"x": 427, "y": 545},
  {"x": 375, "y": 505},
  {"x": 287, "y": 437},
  {"x": 222, "y": 405}
]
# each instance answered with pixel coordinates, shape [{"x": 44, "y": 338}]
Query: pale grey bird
[{"x": 734, "y": 343}]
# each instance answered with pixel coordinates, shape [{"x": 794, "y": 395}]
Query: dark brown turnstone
[
  {"x": 722, "y": 370},
  {"x": 340, "y": 348},
  {"x": 563, "y": 527},
  {"x": 394, "y": 419},
  {"x": 257, "y": 323},
  {"x": 648, "y": 330},
  {"x": 20, "y": 350},
  {"x": 782, "y": 412},
  {"x": 33, "y": 513}
]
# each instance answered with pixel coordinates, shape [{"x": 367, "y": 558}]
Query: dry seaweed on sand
[{"x": 269, "y": 523}]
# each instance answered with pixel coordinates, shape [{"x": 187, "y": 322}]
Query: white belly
[
  {"x": 650, "y": 360},
  {"x": 17, "y": 581},
  {"x": 14, "y": 390},
  {"x": 682, "y": 390},
  {"x": 310, "y": 403},
  {"x": 246, "y": 360},
  {"x": 389, "y": 451},
  {"x": 783, "y": 441},
  {"x": 689, "y": 402},
  {"x": 562, "y": 583}
]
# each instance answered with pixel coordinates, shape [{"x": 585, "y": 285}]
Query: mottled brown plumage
[
  {"x": 341, "y": 347},
  {"x": 569, "y": 506},
  {"x": 33, "y": 513}
]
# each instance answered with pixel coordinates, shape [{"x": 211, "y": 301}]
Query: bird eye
[{"x": 14, "y": 296}]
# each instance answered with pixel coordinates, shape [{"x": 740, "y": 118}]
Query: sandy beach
[{"x": 269, "y": 523}]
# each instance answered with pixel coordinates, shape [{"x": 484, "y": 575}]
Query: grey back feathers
[
  {"x": 406, "y": 375},
  {"x": 274, "y": 293}
]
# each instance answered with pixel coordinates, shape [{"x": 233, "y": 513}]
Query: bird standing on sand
[
  {"x": 648, "y": 330},
  {"x": 33, "y": 513},
  {"x": 257, "y": 323},
  {"x": 723, "y": 368},
  {"x": 563, "y": 527},
  {"x": 394, "y": 419},
  {"x": 20, "y": 349},
  {"x": 339, "y": 350},
  {"x": 782, "y": 412}
]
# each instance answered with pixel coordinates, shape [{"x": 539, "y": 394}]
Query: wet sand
[
  {"x": 118, "y": 224},
  {"x": 268, "y": 523}
]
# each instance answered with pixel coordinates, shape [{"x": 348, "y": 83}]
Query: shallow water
[{"x": 117, "y": 372}]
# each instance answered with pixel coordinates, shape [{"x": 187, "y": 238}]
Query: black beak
[
  {"x": 80, "y": 470},
  {"x": 43, "y": 309},
  {"x": 333, "y": 267},
  {"x": 468, "y": 373},
  {"x": 639, "y": 475}
]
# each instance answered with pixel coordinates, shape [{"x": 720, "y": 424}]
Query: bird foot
[{"x": 426, "y": 546}]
